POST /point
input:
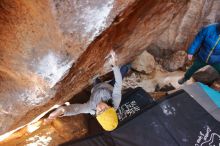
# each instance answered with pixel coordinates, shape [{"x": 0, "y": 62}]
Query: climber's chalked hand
[{"x": 57, "y": 113}]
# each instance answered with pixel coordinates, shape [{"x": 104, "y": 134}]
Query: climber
[
  {"x": 206, "y": 48},
  {"x": 104, "y": 99}
]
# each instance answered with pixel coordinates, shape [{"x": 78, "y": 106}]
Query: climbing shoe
[{"x": 182, "y": 80}]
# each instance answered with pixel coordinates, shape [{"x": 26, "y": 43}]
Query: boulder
[
  {"x": 206, "y": 75},
  {"x": 175, "y": 61},
  {"x": 144, "y": 63}
]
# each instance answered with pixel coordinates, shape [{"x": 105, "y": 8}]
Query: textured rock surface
[
  {"x": 184, "y": 26},
  {"x": 50, "y": 49},
  {"x": 144, "y": 63},
  {"x": 39, "y": 43},
  {"x": 175, "y": 61},
  {"x": 53, "y": 134},
  {"x": 206, "y": 75}
]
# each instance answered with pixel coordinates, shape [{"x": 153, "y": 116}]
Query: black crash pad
[{"x": 177, "y": 120}]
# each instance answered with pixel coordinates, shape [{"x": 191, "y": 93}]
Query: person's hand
[
  {"x": 58, "y": 112},
  {"x": 112, "y": 58},
  {"x": 189, "y": 56}
]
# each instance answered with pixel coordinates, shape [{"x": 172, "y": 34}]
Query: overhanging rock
[{"x": 51, "y": 49}]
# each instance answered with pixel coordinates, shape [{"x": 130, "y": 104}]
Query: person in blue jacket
[{"x": 206, "y": 48}]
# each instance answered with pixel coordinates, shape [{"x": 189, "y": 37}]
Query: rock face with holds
[{"x": 50, "y": 49}]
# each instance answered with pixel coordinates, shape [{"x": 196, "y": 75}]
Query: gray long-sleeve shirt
[{"x": 101, "y": 92}]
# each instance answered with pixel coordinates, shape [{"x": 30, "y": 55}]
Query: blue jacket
[{"x": 205, "y": 42}]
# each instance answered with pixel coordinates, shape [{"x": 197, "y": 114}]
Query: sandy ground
[{"x": 158, "y": 77}]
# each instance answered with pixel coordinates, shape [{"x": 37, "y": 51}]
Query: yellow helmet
[{"x": 108, "y": 119}]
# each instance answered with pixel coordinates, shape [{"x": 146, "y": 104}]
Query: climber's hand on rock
[
  {"x": 189, "y": 56},
  {"x": 110, "y": 61},
  {"x": 58, "y": 112},
  {"x": 112, "y": 58}
]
